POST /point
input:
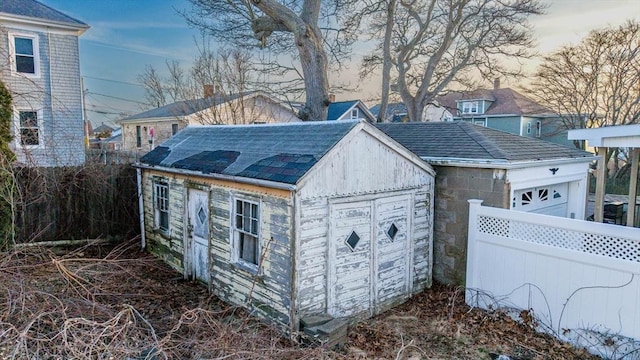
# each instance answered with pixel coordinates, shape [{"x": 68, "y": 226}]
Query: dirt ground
[{"x": 116, "y": 302}]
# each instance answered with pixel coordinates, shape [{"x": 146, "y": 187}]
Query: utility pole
[{"x": 84, "y": 115}]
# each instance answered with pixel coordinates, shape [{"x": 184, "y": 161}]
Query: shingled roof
[
  {"x": 463, "y": 140},
  {"x": 276, "y": 152},
  {"x": 36, "y": 10},
  {"x": 505, "y": 101},
  {"x": 186, "y": 107}
]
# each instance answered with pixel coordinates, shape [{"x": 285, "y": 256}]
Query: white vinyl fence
[{"x": 579, "y": 280}]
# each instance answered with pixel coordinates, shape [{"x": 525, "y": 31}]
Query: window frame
[
  {"x": 138, "y": 136},
  {"x": 14, "y": 55},
  {"x": 355, "y": 113},
  {"x": 538, "y": 128},
  {"x": 239, "y": 233},
  {"x": 160, "y": 209},
  {"x": 468, "y": 106},
  {"x": 174, "y": 128},
  {"x": 18, "y": 129}
]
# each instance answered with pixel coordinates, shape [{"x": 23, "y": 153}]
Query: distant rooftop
[
  {"x": 463, "y": 140},
  {"x": 186, "y": 107}
]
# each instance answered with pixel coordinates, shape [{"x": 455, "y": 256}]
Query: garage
[{"x": 547, "y": 200}]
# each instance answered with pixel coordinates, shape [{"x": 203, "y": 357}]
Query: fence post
[{"x": 472, "y": 238}]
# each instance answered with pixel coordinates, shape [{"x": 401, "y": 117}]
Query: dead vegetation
[{"x": 106, "y": 302}]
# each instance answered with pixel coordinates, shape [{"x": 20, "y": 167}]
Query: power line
[
  {"x": 115, "y": 97},
  {"x": 113, "y": 81}
]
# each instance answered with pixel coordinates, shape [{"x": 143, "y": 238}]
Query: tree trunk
[
  {"x": 386, "y": 64},
  {"x": 314, "y": 69}
]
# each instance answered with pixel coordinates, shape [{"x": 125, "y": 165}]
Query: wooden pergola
[{"x": 603, "y": 138}]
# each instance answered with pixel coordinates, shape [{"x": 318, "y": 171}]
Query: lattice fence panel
[{"x": 598, "y": 244}]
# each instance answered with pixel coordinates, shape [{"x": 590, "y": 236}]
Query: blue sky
[{"x": 126, "y": 35}]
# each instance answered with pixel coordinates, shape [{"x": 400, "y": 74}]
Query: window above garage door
[{"x": 548, "y": 200}]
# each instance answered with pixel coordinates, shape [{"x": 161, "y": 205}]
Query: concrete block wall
[{"x": 453, "y": 187}]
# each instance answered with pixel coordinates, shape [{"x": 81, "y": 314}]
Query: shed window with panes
[
  {"x": 246, "y": 233},
  {"x": 161, "y": 201}
]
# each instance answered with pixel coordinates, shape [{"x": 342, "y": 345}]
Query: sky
[{"x": 127, "y": 35}]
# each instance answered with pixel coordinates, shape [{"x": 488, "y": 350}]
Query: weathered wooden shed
[{"x": 292, "y": 220}]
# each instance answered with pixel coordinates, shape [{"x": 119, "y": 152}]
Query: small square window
[
  {"x": 352, "y": 241},
  {"x": 355, "y": 114}
]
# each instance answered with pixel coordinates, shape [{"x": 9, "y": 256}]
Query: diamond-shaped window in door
[
  {"x": 392, "y": 231},
  {"x": 352, "y": 240},
  {"x": 202, "y": 215}
]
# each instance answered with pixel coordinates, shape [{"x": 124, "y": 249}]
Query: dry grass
[{"x": 105, "y": 302}]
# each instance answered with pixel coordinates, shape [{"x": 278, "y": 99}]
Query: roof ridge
[{"x": 481, "y": 139}]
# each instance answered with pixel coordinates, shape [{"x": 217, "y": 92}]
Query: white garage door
[{"x": 547, "y": 200}]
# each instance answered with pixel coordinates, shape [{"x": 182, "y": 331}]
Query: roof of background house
[
  {"x": 337, "y": 109},
  {"x": 504, "y": 101},
  {"x": 395, "y": 111},
  {"x": 463, "y": 140},
  {"x": 186, "y": 107},
  {"x": 37, "y": 10},
  {"x": 103, "y": 128},
  {"x": 275, "y": 152}
]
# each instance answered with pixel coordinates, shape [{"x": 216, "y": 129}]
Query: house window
[
  {"x": 29, "y": 128},
  {"x": 355, "y": 114},
  {"x": 481, "y": 122},
  {"x": 25, "y": 56},
  {"x": 247, "y": 243},
  {"x": 470, "y": 107},
  {"x": 138, "y": 136},
  {"x": 174, "y": 129},
  {"x": 528, "y": 128},
  {"x": 538, "y": 128},
  {"x": 161, "y": 201}
]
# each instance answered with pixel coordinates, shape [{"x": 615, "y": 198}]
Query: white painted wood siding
[{"x": 362, "y": 168}]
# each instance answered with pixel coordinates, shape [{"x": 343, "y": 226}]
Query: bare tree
[
  {"x": 279, "y": 25},
  {"x": 437, "y": 42},
  {"x": 595, "y": 83}
]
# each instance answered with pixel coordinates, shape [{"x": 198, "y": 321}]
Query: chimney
[
  {"x": 332, "y": 98},
  {"x": 496, "y": 83},
  {"x": 208, "y": 91}
]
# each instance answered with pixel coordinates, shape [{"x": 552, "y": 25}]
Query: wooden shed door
[
  {"x": 350, "y": 258},
  {"x": 368, "y": 255},
  {"x": 392, "y": 249},
  {"x": 199, "y": 235}
]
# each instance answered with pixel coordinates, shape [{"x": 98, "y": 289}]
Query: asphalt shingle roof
[
  {"x": 337, "y": 109},
  {"x": 505, "y": 101},
  {"x": 35, "y": 9},
  {"x": 463, "y": 140},
  {"x": 186, "y": 107},
  {"x": 276, "y": 152}
]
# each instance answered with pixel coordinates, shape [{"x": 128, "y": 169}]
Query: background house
[
  {"x": 507, "y": 110},
  {"x": 151, "y": 128},
  {"x": 41, "y": 67},
  {"x": 504, "y": 170},
  {"x": 292, "y": 220},
  {"x": 349, "y": 110}
]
